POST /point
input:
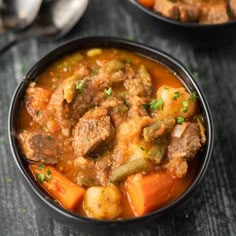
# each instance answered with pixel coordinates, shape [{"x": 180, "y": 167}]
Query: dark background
[{"x": 212, "y": 208}]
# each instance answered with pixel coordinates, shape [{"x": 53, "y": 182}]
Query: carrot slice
[
  {"x": 68, "y": 194},
  {"x": 147, "y": 3},
  {"x": 149, "y": 192}
]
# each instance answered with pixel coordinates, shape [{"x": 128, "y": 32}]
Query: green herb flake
[
  {"x": 185, "y": 107},
  {"x": 145, "y": 105},
  {"x": 195, "y": 74},
  {"x": 48, "y": 172},
  {"x": 142, "y": 148},
  {"x": 176, "y": 95},
  {"x": 40, "y": 177},
  {"x": 130, "y": 37},
  {"x": 80, "y": 86},
  {"x": 193, "y": 97},
  {"x": 41, "y": 166},
  {"x": 155, "y": 104},
  {"x": 150, "y": 153},
  {"x": 94, "y": 72},
  {"x": 49, "y": 138},
  {"x": 180, "y": 120},
  {"x": 23, "y": 68},
  {"x": 159, "y": 152},
  {"x": 128, "y": 60},
  {"x": 166, "y": 88},
  {"x": 38, "y": 113},
  {"x": 108, "y": 91}
]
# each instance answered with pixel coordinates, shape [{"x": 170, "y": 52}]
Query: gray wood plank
[{"x": 212, "y": 209}]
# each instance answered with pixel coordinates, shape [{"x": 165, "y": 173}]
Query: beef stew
[{"x": 110, "y": 134}]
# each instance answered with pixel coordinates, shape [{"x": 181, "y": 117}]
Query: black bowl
[
  {"x": 198, "y": 35},
  {"x": 74, "y": 220}
]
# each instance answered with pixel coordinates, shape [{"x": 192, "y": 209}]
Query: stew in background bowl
[{"x": 107, "y": 45}]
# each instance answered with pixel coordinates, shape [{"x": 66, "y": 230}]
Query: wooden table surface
[{"x": 212, "y": 209}]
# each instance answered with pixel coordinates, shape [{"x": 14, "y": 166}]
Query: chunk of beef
[
  {"x": 189, "y": 13},
  {"x": 167, "y": 8},
  {"x": 232, "y": 5},
  {"x": 214, "y": 13},
  {"x": 59, "y": 104},
  {"x": 177, "y": 167},
  {"x": 187, "y": 145},
  {"x": 39, "y": 147},
  {"x": 91, "y": 134}
]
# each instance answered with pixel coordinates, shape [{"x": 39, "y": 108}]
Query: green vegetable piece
[
  {"x": 94, "y": 72},
  {"x": 155, "y": 104},
  {"x": 180, "y": 120},
  {"x": 41, "y": 166},
  {"x": 128, "y": 60},
  {"x": 38, "y": 113},
  {"x": 80, "y": 86},
  {"x": 193, "y": 97},
  {"x": 146, "y": 79},
  {"x": 156, "y": 153},
  {"x": 129, "y": 168},
  {"x": 185, "y": 107},
  {"x": 40, "y": 177},
  {"x": 108, "y": 91},
  {"x": 49, "y": 138},
  {"x": 176, "y": 95},
  {"x": 151, "y": 132}
]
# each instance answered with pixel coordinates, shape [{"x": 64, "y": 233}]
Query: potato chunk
[{"x": 102, "y": 202}]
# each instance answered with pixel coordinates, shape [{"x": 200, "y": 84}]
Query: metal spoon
[
  {"x": 55, "y": 19},
  {"x": 18, "y": 14}
]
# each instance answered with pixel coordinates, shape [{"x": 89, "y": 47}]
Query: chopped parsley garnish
[
  {"x": 41, "y": 177},
  {"x": 41, "y": 166},
  {"x": 108, "y": 91},
  {"x": 49, "y": 138},
  {"x": 193, "y": 97},
  {"x": 44, "y": 176},
  {"x": 155, "y": 104},
  {"x": 185, "y": 107},
  {"x": 176, "y": 95},
  {"x": 180, "y": 120},
  {"x": 94, "y": 72},
  {"x": 159, "y": 152},
  {"x": 128, "y": 60},
  {"x": 150, "y": 153},
  {"x": 38, "y": 113},
  {"x": 142, "y": 148},
  {"x": 166, "y": 88},
  {"x": 80, "y": 86},
  {"x": 195, "y": 74}
]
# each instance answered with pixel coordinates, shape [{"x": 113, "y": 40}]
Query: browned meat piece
[
  {"x": 103, "y": 167},
  {"x": 232, "y": 5},
  {"x": 167, "y": 8},
  {"x": 177, "y": 167},
  {"x": 214, "y": 14},
  {"x": 39, "y": 147},
  {"x": 91, "y": 133},
  {"x": 187, "y": 145},
  {"x": 189, "y": 13}
]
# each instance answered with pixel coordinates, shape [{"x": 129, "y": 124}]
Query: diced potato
[
  {"x": 94, "y": 52},
  {"x": 102, "y": 202}
]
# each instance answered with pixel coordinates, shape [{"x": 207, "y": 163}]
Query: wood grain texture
[{"x": 212, "y": 209}]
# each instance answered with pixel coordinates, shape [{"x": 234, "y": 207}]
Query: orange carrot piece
[
  {"x": 149, "y": 192},
  {"x": 147, "y": 3},
  {"x": 68, "y": 194}
]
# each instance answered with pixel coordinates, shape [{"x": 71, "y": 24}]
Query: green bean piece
[
  {"x": 146, "y": 79},
  {"x": 156, "y": 153},
  {"x": 129, "y": 168}
]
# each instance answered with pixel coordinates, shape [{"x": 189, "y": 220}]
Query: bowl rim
[
  {"x": 109, "y": 42},
  {"x": 189, "y": 25}
]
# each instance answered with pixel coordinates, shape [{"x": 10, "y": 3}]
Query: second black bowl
[{"x": 195, "y": 34}]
